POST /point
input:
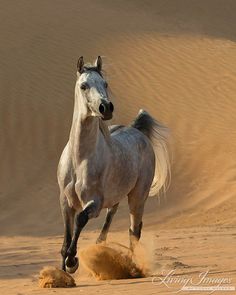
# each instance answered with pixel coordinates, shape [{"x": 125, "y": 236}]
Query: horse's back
[
  {"x": 133, "y": 147},
  {"x": 130, "y": 137},
  {"x": 114, "y": 128}
]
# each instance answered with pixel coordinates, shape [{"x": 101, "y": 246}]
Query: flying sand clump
[
  {"x": 112, "y": 261},
  {"x": 52, "y": 277}
]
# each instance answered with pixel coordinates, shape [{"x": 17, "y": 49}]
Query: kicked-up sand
[
  {"x": 114, "y": 261},
  {"x": 177, "y": 60}
]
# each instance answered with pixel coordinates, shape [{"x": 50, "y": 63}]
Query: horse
[{"x": 101, "y": 165}]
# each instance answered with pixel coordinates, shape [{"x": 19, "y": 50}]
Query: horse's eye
[
  {"x": 84, "y": 86},
  {"x": 105, "y": 84}
]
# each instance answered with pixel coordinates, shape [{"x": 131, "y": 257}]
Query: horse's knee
[
  {"x": 93, "y": 207},
  {"x": 90, "y": 211}
]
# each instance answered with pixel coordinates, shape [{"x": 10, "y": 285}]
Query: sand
[
  {"x": 176, "y": 59},
  {"x": 112, "y": 262},
  {"x": 187, "y": 252},
  {"x": 53, "y": 277}
]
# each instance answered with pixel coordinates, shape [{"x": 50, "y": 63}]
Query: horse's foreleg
[
  {"x": 81, "y": 219},
  {"x": 68, "y": 218},
  {"x": 110, "y": 214}
]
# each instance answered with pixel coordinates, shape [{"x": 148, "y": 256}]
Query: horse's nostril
[
  {"x": 102, "y": 108},
  {"x": 106, "y": 108},
  {"x": 111, "y": 107}
]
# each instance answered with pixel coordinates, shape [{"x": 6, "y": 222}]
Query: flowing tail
[{"x": 158, "y": 135}]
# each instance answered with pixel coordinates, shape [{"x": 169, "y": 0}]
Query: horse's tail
[{"x": 158, "y": 135}]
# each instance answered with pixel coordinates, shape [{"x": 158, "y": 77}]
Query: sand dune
[{"x": 177, "y": 59}]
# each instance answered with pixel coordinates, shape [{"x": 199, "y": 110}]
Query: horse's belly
[
  {"x": 118, "y": 188},
  {"x": 111, "y": 201}
]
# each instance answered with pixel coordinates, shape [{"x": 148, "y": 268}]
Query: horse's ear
[
  {"x": 98, "y": 63},
  {"x": 80, "y": 65}
]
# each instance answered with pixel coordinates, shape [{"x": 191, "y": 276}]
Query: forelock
[{"x": 91, "y": 68}]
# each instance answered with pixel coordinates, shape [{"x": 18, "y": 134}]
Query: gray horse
[{"x": 100, "y": 166}]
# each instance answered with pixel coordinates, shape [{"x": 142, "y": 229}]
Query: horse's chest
[{"x": 88, "y": 181}]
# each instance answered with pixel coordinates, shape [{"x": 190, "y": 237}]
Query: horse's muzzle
[{"x": 106, "y": 109}]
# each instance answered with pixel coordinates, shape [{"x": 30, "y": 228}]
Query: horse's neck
[
  {"x": 86, "y": 133},
  {"x": 84, "y": 136}
]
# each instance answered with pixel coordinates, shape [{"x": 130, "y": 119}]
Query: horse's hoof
[{"x": 73, "y": 268}]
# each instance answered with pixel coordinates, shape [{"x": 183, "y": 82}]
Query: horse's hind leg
[
  {"x": 68, "y": 218},
  {"x": 136, "y": 199},
  {"x": 110, "y": 214}
]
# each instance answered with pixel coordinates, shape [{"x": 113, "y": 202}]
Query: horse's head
[{"x": 92, "y": 87}]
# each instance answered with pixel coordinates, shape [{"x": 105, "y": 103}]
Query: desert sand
[{"x": 177, "y": 60}]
